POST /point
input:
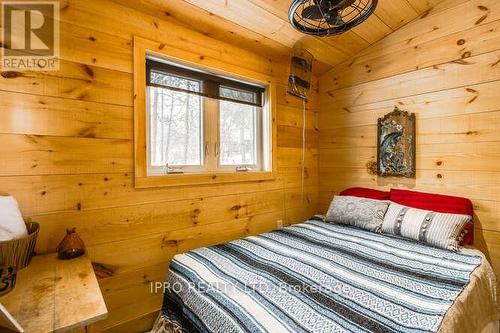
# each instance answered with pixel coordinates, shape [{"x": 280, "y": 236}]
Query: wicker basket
[{"x": 15, "y": 255}]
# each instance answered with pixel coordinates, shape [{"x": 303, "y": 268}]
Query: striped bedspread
[{"x": 314, "y": 277}]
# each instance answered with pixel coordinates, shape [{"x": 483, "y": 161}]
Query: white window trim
[{"x": 259, "y": 145}]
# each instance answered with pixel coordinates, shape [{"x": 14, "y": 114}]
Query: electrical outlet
[{"x": 279, "y": 224}]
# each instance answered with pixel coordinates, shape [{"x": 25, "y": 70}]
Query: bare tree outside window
[
  {"x": 175, "y": 122},
  {"x": 237, "y": 125}
]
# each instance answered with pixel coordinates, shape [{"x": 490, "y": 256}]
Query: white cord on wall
[{"x": 303, "y": 146}]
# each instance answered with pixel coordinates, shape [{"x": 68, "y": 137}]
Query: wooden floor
[
  {"x": 68, "y": 135},
  {"x": 444, "y": 67}
]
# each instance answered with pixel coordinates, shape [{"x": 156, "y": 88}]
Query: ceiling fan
[{"x": 329, "y": 17}]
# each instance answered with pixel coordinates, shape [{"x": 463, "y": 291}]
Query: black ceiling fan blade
[
  {"x": 334, "y": 18},
  {"x": 312, "y": 12},
  {"x": 332, "y": 5},
  {"x": 348, "y": 3}
]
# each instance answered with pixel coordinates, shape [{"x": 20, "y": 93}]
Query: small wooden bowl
[{"x": 16, "y": 254}]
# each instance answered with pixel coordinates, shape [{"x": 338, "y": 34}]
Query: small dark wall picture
[{"x": 396, "y": 144}]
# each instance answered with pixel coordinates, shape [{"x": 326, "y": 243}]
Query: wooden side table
[{"x": 54, "y": 295}]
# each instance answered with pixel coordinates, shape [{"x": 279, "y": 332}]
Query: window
[
  {"x": 175, "y": 119},
  {"x": 203, "y": 123},
  {"x": 239, "y": 134}
]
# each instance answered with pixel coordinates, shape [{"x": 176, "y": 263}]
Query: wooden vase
[{"x": 71, "y": 246}]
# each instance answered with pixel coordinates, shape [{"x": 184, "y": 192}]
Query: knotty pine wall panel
[
  {"x": 67, "y": 156},
  {"x": 444, "y": 67}
]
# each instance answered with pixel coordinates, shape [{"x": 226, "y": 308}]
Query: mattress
[{"x": 321, "y": 277}]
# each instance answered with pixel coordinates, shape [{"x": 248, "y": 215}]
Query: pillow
[
  {"x": 360, "y": 212},
  {"x": 12, "y": 225},
  {"x": 438, "y": 203},
  {"x": 437, "y": 229},
  {"x": 363, "y": 192}
]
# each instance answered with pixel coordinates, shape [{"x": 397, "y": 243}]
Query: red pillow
[
  {"x": 366, "y": 193},
  {"x": 438, "y": 203}
]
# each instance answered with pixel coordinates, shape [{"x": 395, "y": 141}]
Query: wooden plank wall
[
  {"x": 445, "y": 67},
  {"x": 66, "y": 154}
]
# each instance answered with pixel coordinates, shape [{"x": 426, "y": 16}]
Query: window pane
[
  {"x": 175, "y": 123},
  {"x": 238, "y": 137},
  {"x": 175, "y": 81},
  {"x": 237, "y": 94}
]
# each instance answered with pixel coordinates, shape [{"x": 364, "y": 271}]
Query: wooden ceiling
[{"x": 263, "y": 25}]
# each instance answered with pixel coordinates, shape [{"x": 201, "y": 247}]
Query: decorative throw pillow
[
  {"x": 437, "y": 229},
  {"x": 360, "y": 212},
  {"x": 12, "y": 225},
  {"x": 438, "y": 203}
]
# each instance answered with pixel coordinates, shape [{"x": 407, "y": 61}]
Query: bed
[{"x": 323, "y": 277}]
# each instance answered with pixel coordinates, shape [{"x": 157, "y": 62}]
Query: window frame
[
  {"x": 260, "y": 146},
  {"x": 160, "y": 170},
  {"x": 144, "y": 48}
]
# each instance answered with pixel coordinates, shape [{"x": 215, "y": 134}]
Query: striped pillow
[
  {"x": 436, "y": 229},
  {"x": 360, "y": 212}
]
